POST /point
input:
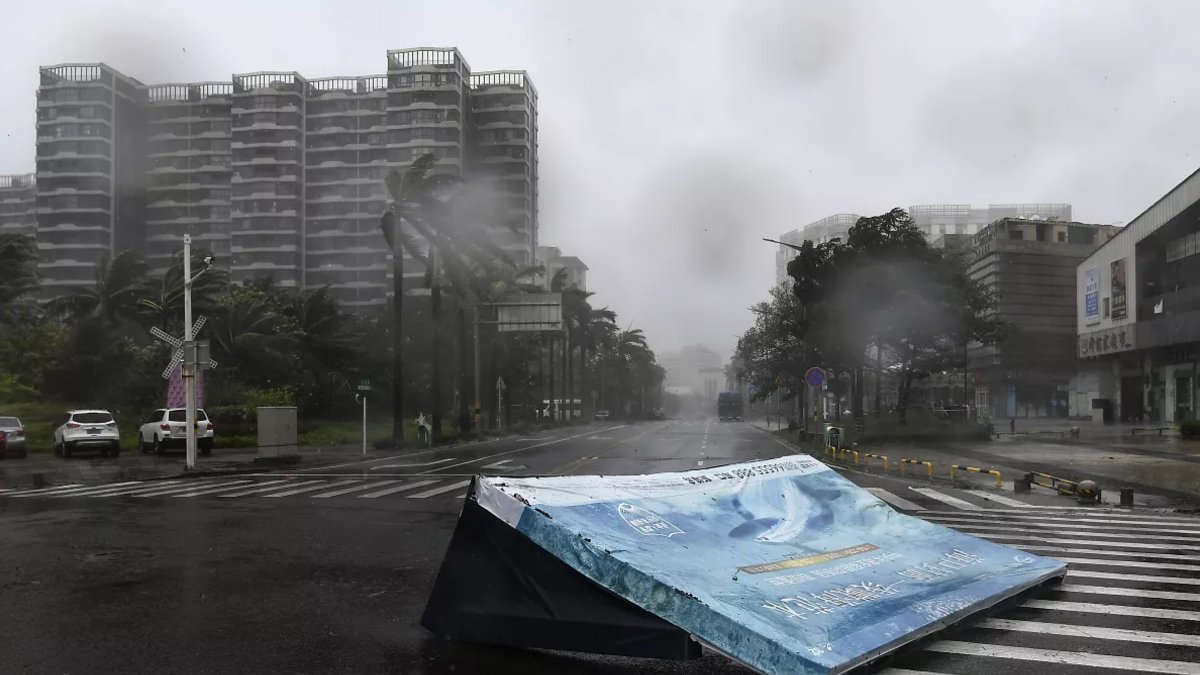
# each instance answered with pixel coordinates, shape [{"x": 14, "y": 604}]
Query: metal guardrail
[
  {"x": 906, "y": 462},
  {"x": 974, "y": 469},
  {"x": 1061, "y": 485},
  {"x": 1160, "y": 430},
  {"x": 868, "y": 455}
]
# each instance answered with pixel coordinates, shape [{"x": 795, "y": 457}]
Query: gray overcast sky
[{"x": 674, "y": 135}]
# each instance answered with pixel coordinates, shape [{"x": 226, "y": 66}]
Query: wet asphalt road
[{"x": 118, "y": 583}]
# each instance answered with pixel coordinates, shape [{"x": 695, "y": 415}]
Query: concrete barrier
[
  {"x": 974, "y": 469},
  {"x": 866, "y": 455},
  {"x": 781, "y": 564}
]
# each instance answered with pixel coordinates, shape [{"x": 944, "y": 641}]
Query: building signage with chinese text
[
  {"x": 1091, "y": 296},
  {"x": 1119, "y": 310},
  {"x": 1108, "y": 341}
]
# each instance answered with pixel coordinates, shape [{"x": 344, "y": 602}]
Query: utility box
[
  {"x": 277, "y": 432},
  {"x": 833, "y": 436}
]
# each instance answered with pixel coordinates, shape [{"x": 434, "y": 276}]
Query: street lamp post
[{"x": 191, "y": 354}]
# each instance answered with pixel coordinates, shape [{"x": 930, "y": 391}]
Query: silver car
[
  {"x": 87, "y": 429},
  {"x": 14, "y": 437}
]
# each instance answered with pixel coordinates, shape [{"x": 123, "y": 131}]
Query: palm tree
[
  {"x": 163, "y": 304},
  {"x": 18, "y": 259},
  {"x": 120, "y": 284}
]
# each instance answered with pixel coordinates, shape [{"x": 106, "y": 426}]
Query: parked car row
[{"x": 97, "y": 430}]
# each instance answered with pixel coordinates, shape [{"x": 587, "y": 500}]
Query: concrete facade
[
  {"x": 18, "y": 205},
  {"x": 1138, "y": 317}
]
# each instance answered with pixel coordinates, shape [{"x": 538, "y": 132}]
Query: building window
[
  {"x": 1106, "y": 308},
  {"x": 1061, "y": 237}
]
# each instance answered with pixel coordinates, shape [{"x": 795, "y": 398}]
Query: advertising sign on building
[
  {"x": 1119, "y": 310},
  {"x": 1108, "y": 341},
  {"x": 1091, "y": 295}
]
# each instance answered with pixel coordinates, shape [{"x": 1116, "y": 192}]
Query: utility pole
[
  {"x": 476, "y": 413},
  {"x": 189, "y": 357}
]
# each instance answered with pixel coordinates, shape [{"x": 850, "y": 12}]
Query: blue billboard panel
[{"x": 781, "y": 564}]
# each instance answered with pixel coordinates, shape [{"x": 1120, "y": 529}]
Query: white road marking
[
  {"x": 313, "y": 488},
  {"x": 1129, "y": 592},
  {"x": 147, "y": 486},
  {"x": 398, "y": 488},
  {"x": 1148, "y": 578},
  {"x": 1071, "y": 523},
  {"x": 1027, "y": 527},
  {"x": 409, "y": 466},
  {"x": 440, "y": 490},
  {"x": 1094, "y": 552},
  {"x": 355, "y": 488},
  {"x": 74, "y": 487},
  {"x": 189, "y": 488},
  {"x": 1129, "y": 563},
  {"x": 497, "y": 465},
  {"x": 271, "y": 488},
  {"x": 1048, "y": 656},
  {"x": 946, "y": 499},
  {"x": 1122, "y": 634},
  {"x": 528, "y": 447},
  {"x": 999, "y": 499},
  {"x": 1088, "y": 542},
  {"x": 907, "y": 671},
  {"x": 895, "y": 500},
  {"x": 1117, "y": 610},
  {"x": 212, "y": 490}
]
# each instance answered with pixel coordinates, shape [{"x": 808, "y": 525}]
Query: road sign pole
[
  {"x": 189, "y": 358},
  {"x": 475, "y": 409},
  {"x": 364, "y": 398}
]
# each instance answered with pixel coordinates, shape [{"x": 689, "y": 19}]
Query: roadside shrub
[{"x": 1190, "y": 429}]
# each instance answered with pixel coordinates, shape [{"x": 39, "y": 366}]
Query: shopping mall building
[{"x": 1138, "y": 317}]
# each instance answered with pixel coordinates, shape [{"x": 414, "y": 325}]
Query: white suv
[
  {"x": 87, "y": 429},
  {"x": 167, "y": 428}
]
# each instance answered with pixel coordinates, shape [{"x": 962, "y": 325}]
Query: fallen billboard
[{"x": 780, "y": 564}]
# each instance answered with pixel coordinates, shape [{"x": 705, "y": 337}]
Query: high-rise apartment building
[
  {"x": 18, "y": 205},
  {"x": 276, "y": 174},
  {"x": 90, "y": 171},
  {"x": 188, "y": 160}
]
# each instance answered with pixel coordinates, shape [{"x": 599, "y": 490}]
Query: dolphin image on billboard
[{"x": 781, "y": 564}]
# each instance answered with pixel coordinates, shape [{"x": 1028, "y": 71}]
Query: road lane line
[
  {"x": 946, "y": 499},
  {"x": 513, "y": 452},
  {"x": 412, "y": 466},
  {"x": 440, "y": 490},
  {"x": 146, "y": 486},
  {"x": 1121, "y": 634},
  {"x": 895, "y": 500},
  {"x": 398, "y": 488},
  {"x": 314, "y": 488},
  {"x": 1097, "y": 552},
  {"x": 1054, "y": 656},
  {"x": 907, "y": 671},
  {"x": 571, "y": 466},
  {"x": 999, "y": 499},
  {"x": 1101, "y": 534},
  {"x": 1129, "y": 592},
  {"x": 497, "y": 465},
  {"x": 261, "y": 488},
  {"x": 188, "y": 488},
  {"x": 1115, "y": 610},
  {"x": 207, "y": 491},
  {"x": 1147, "y": 578},
  {"x": 354, "y": 488}
]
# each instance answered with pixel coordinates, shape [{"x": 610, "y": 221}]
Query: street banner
[
  {"x": 781, "y": 564},
  {"x": 1119, "y": 296},
  {"x": 1091, "y": 295}
]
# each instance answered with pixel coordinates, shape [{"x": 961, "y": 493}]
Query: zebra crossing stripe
[
  {"x": 1129, "y": 592},
  {"x": 895, "y": 500},
  {"x": 1124, "y": 544},
  {"x": 185, "y": 488},
  {"x": 946, "y": 499},
  {"x": 437, "y": 491},
  {"x": 355, "y": 488},
  {"x": 1054, "y": 656},
  {"x": 313, "y": 488},
  {"x": 1000, "y": 527},
  {"x": 1147, "y": 578},
  {"x": 148, "y": 486},
  {"x": 1118, "y": 610},
  {"x": 1121, "y": 634},
  {"x": 261, "y": 488},
  {"x": 213, "y": 490},
  {"x": 1129, "y": 563},
  {"x": 399, "y": 488},
  {"x": 906, "y": 671},
  {"x": 72, "y": 489},
  {"x": 1070, "y": 523},
  {"x": 999, "y": 499},
  {"x": 1096, "y": 552}
]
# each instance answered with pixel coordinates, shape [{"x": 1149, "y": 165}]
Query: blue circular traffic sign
[{"x": 815, "y": 377}]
